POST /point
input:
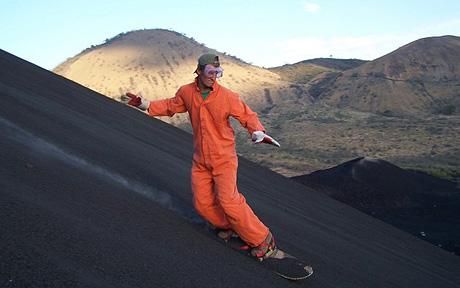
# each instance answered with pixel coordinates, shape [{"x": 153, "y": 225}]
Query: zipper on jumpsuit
[{"x": 203, "y": 106}]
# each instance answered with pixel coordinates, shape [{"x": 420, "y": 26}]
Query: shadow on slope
[
  {"x": 415, "y": 202},
  {"x": 96, "y": 194}
]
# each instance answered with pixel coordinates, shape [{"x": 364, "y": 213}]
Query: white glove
[
  {"x": 261, "y": 137},
  {"x": 135, "y": 101}
]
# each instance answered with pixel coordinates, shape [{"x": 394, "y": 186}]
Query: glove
[
  {"x": 135, "y": 101},
  {"x": 261, "y": 137}
]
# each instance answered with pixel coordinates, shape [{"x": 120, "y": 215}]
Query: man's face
[{"x": 209, "y": 75}]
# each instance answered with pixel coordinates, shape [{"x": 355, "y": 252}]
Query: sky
[{"x": 265, "y": 33}]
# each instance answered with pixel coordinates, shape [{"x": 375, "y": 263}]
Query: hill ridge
[{"x": 404, "y": 119}]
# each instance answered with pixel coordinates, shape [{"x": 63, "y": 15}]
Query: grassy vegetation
[
  {"x": 300, "y": 73},
  {"x": 305, "y": 71},
  {"x": 443, "y": 172},
  {"x": 322, "y": 137}
]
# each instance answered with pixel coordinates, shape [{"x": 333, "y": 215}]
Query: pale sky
[{"x": 262, "y": 32}]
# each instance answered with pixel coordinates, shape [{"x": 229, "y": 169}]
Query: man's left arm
[{"x": 249, "y": 120}]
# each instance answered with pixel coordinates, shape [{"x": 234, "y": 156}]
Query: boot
[{"x": 265, "y": 249}]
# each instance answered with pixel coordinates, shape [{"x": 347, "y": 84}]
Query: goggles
[{"x": 210, "y": 71}]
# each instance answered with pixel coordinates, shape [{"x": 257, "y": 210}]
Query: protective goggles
[{"x": 210, "y": 71}]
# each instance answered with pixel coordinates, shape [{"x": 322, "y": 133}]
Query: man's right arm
[
  {"x": 167, "y": 107},
  {"x": 163, "y": 107}
]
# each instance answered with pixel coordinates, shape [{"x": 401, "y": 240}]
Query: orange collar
[{"x": 214, "y": 87}]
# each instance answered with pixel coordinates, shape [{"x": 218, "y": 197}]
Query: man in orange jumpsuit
[{"x": 215, "y": 162}]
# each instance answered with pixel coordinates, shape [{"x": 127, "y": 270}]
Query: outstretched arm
[
  {"x": 164, "y": 107},
  {"x": 249, "y": 120},
  {"x": 167, "y": 107}
]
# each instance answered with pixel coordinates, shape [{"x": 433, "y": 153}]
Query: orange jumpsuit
[{"x": 214, "y": 170}]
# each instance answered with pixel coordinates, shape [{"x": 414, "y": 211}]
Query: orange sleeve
[
  {"x": 167, "y": 107},
  {"x": 247, "y": 118}
]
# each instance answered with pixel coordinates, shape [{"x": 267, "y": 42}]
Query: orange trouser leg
[
  {"x": 204, "y": 198},
  {"x": 218, "y": 200}
]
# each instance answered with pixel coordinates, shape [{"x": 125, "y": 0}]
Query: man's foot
[
  {"x": 265, "y": 249},
  {"x": 226, "y": 234}
]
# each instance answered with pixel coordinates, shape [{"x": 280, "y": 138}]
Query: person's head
[{"x": 208, "y": 69}]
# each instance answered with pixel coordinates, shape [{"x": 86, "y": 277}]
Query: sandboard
[{"x": 280, "y": 262}]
